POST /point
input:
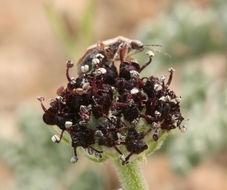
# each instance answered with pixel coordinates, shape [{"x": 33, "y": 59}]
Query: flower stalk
[{"x": 130, "y": 175}]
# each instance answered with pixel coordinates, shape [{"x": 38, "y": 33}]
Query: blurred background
[{"x": 36, "y": 39}]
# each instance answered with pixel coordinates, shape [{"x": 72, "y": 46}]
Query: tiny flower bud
[
  {"x": 60, "y": 90},
  {"x": 155, "y": 137},
  {"x": 40, "y": 98},
  {"x": 69, "y": 64}
]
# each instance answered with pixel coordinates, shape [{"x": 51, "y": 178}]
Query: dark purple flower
[{"x": 102, "y": 108}]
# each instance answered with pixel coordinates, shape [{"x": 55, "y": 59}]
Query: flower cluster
[{"x": 105, "y": 104}]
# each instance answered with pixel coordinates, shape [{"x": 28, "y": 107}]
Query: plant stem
[{"x": 130, "y": 175}]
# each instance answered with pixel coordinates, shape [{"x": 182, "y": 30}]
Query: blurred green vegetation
[
  {"x": 82, "y": 35},
  {"x": 189, "y": 34},
  {"x": 38, "y": 163}
]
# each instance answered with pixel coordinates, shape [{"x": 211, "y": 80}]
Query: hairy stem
[{"x": 130, "y": 175}]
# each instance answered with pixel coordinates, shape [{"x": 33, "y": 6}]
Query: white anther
[
  {"x": 171, "y": 70},
  {"x": 174, "y": 118},
  {"x": 59, "y": 98},
  {"x": 157, "y": 113},
  {"x": 113, "y": 118},
  {"x": 183, "y": 129},
  {"x": 83, "y": 81},
  {"x": 68, "y": 124},
  {"x": 134, "y": 73},
  {"x": 90, "y": 151},
  {"x": 99, "y": 133},
  {"x": 95, "y": 61},
  {"x": 157, "y": 87},
  {"x": 122, "y": 157},
  {"x": 178, "y": 99},
  {"x": 150, "y": 53},
  {"x": 99, "y": 55},
  {"x": 86, "y": 85},
  {"x": 83, "y": 108},
  {"x": 162, "y": 78},
  {"x": 82, "y": 123},
  {"x": 144, "y": 94},
  {"x": 135, "y": 121},
  {"x": 74, "y": 159},
  {"x": 97, "y": 72},
  {"x": 163, "y": 98},
  {"x": 154, "y": 125},
  {"x": 134, "y": 91},
  {"x": 98, "y": 155},
  {"x": 73, "y": 81},
  {"x": 131, "y": 102},
  {"x": 55, "y": 138},
  {"x": 102, "y": 70},
  {"x": 168, "y": 98},
  {"x": 84, "y": 68},
  {"x": 121, "y": 137}
]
